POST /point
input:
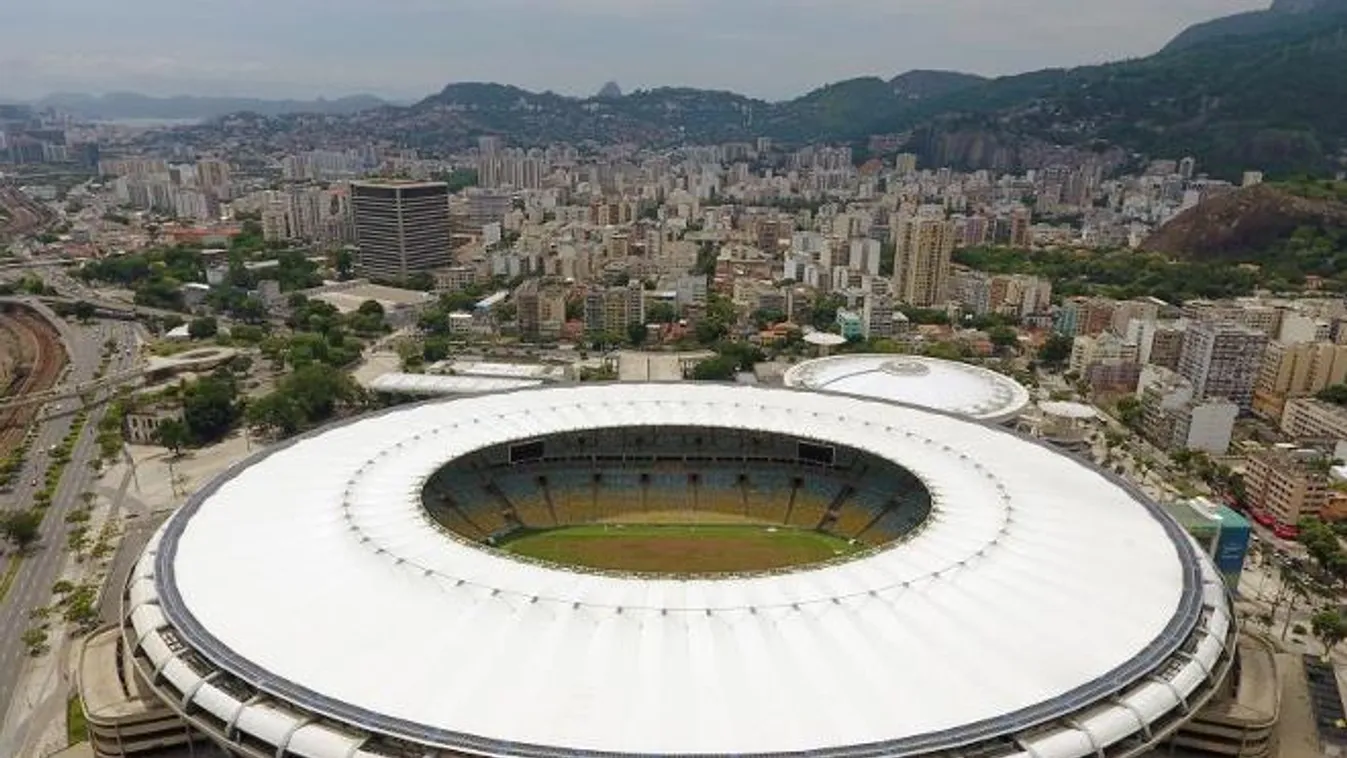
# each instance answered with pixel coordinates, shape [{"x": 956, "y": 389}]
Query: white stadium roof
[
  {"x": 1039, "y": 590},
  {"x": 435, "y": 385},
  {"x": 1069, "y": 410},
  {"x": 941, "y": 385}
]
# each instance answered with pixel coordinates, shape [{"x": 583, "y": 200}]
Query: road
[{"x": 32, "y": 588}]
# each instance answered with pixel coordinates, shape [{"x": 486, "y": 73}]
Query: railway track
[{"x": 41, "y": 359}]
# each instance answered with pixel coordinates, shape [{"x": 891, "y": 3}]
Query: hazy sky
[{"x": 408, "y": 48}]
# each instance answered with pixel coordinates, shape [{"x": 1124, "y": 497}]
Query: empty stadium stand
[{"x": 685, "y": 475}]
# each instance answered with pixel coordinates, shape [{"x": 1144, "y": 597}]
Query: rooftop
[{"x": 926, "y": 382}]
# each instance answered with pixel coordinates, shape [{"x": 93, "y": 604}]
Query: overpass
[
  {"x": 67, "y": 392},
  {"x": 113, "y": 308}
]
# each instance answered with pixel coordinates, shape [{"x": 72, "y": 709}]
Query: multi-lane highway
[{"x": 37, "y": 573}]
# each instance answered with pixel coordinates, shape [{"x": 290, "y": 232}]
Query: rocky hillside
[{"x": 1252, "y": 225}]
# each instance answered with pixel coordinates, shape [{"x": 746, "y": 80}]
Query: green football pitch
[{"x": 678, "y": 549}]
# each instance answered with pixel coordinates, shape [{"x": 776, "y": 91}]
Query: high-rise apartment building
[
  {"x": 1286, "y": 485},
  {"x": 1308, "y": 419},
  {"x": 921, "y": 269},
  {"x": 1222, "y": 360},
  {"x": 1296, "y": 370},
  {"x": 1173, "y": 420},
  {"x": 614, "y": 309},
  {"x": 402, "y": 228},
  {"x": 1167, "y": 346},
  {"x": 214, "y": 176},
  {"x": 540, "y": 309}
]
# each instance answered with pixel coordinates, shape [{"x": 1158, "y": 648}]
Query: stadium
[
  {"x": 959, "y": 388},
  {"x": 667, "y": 570}
]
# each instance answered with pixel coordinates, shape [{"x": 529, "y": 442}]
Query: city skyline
[{"x": 774, "y": 50}]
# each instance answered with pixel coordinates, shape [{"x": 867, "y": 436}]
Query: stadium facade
[{"x": 1016, "y": 602}]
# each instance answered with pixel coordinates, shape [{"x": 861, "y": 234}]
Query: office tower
[
  {"x": 1222, "y": 360},
  {"x": 922, "y": 260},
  {"x": 402, "y": 228}
]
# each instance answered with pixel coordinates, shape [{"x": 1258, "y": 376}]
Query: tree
[
  {"x": 764, "y": 317},
  {"x": 345, "y": 265},
  {"x": 720, "y": 368},
  {"x": 371, "y": 308},
  {"x": 434, "y": 321},
  {"x": 22, "y": 528},
  {"x": 1330, "y": 628},
  {"x": 1129, "y": 411},
  {"x": 312, "y": 394},
  {"x": 709, "y": 331},
  {"x": 208, "y": 408},
  {"x": 1004, "y": 337},
  {"x": 277, "y": 413},
  {"x": 84, "y": 311},
  {"x": 421, "y": 281},
  {"x": 1294, "y": 587},
  {"x": 251, "y": 310},
  {"x": 203, "y": 328},
  {"x": 172, "y": 434},
  {"x": 435, "y": 349},
  {"x": 636, "y": 333},
  {"x": 1056, "y": 351},
  {"x": 661, "y": 313}
]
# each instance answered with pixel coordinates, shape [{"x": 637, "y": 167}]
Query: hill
[
  {"x": 924, "y": 83},
  {"x": 1269, "y": 100},
  {"x": 1290, "y": 230},
  {"x": 1241, "y": 225},
  {"x": 1282, "y": 14},
  {"x": 131, "y": 105}
]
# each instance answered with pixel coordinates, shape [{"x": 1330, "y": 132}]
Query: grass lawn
[
  {"x": 76, "y": 728},
  {"x": 678, "y": 549}
]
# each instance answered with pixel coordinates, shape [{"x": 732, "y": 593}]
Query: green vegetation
[
  {"x": 77, "y": 605},
  {"x": 459, "y": 179},
  {"x": 209, "y": 407},
  {"x": 311, "y": 395},
  {"x": 76, "y": 726},
  {"x": 28, "y": 284},
  {"x": 1056, "y": 351},
  {"x": 1321, "y": 542},
  {"x": 1314, "y": 189},
  {"x": 203, "y": 328},
  {"x": 1121, "y": 274},
  {"x": 731, "y": 358},
  {"x": 157, "y": 275},
  {"x": 1337, "y": 395},
  {"x": 110, "y": 430},
  {"x": 35, "y": 640},
  {"x": 1268, "y": 100},
  {"x": 22, "y": 528},
  {"x": 1329, "y": 626},
  {"x": 1129, "y": 412},
  {"x": 679, "y": 549}
]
